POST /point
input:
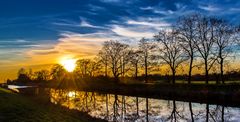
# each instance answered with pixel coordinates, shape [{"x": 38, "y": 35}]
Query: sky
[{"x": 41, "y": 32}]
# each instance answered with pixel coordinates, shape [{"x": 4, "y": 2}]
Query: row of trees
[{"x": 196, "y": 39}]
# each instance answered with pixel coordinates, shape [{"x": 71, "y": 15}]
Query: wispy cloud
[
  {"x": 145, "y": 23},
  {"x": 210, "y": 8},
  {"x": 127, "y": 32},
  {"x": 147, "y": 8},
  {"x": 82, "y": 23}
]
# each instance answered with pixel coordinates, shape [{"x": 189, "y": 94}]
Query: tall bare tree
[
  {"x": 93, "y": 68},
  {"x": 135, "y": 60},
  {"x": 117, "y": 54},
  {"x": 204, "y": 42},
  {"x": 87, "y": 67},
  {"x": 186, "y": 30},
  {"x": 103, "y": 57},
  {"x": 224, "y": 37},
  {"x": 145, "y": 48},
  {"x": 170, "y": 50},
  {"x": 82, "y": 66}
]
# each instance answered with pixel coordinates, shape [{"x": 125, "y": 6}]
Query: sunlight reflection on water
[{"x": 125, "y": 108}]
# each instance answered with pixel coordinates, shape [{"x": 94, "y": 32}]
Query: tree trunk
[
  {"x": 137, "y": 106},
  {"x": 106, "y": 70},
  {"x": 174, "y": 111},
  {"x": 123, "y": 67},
  {"x": 107, "y": 105},
  {"x": 146, "y": 72},
  {"x": 207, "y": 111},
  {"x": 190, "y": 71},
  {"x": 147, "y": 109},
  {"x": 206, "y": 71},
  {"x": 221, "y": 68},
  {"x": 115, "y": 108},
  {"x": 173, "y": 75},
  {"x": 136, "y": 70},
  {"x": 191, "y": 112},
  {"x": 222, "y": 113}
]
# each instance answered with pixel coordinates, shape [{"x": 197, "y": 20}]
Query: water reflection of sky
[{"x": 124, "y": 108}]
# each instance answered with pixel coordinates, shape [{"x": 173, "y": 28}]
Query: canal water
[{"x": 114, "y": 107}]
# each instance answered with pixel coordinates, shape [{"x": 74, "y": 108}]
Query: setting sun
[{"x": 69, "y": 64}]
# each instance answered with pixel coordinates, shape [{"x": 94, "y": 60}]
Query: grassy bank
[{"x": 14, "y": 107}]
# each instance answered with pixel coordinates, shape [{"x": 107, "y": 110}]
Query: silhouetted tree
[
  {"x": 42, "y": 75},
  {"x": 87, "y": 67},
  {"x": 82, "y": 66},
  {"x": 93, "y": 68},
  {"x": 205, "y": 41},
  {"x": 58, "y": 72},
  {"x": 145, "y": 48},
  {"x": 186, "y": 30},
  {"x": 135, "y": 60},
  {"x": 103, "y": 57},
  {"x": 118, "y": 55},
  {"x": 170, "y": 50},
  {"x": 22, "y": 76},
  {"x": 224, "y": 39}
]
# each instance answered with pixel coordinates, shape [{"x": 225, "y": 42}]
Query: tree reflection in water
[{"x": 113, "y": 107}]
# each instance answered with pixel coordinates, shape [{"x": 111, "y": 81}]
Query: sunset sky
[{"x": 36, "y": 33}]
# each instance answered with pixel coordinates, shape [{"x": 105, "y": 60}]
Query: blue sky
[{"x": 35, "y": 30}]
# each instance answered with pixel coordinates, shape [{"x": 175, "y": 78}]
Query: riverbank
[{"x": 18, "y": 108}]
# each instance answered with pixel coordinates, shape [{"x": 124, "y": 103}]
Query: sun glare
[
  {"x": 69, "y": 64},
  {"x": 71, "y": 94}
]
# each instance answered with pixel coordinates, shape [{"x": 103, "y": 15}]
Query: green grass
[{"x": 17, "y": 108}]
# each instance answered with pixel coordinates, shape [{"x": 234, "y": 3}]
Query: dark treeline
[{"x": 194, "y": 43}]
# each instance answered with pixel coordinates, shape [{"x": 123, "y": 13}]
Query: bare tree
[
  {"x": 94, "y": 67},
  {"x": 224, "y": 39},
  {"x": 186, "y": 30},
  {"x": 205, "y": 41},
  {"x": 104, "y": 60},
  {"x": 87, "y": 67},
  {"x": 135, "y": 60},
  {"x": 82, "y": 66},
  {"x": 117, "y": 54},
  {"x": 170, "y": 50},
  {"x": 145, "y": 48}
]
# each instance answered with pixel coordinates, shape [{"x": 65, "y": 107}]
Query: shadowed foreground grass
[{"x": 17, "y": 108}]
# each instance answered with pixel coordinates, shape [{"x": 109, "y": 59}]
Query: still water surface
[{"x": 113, "y": 107}]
